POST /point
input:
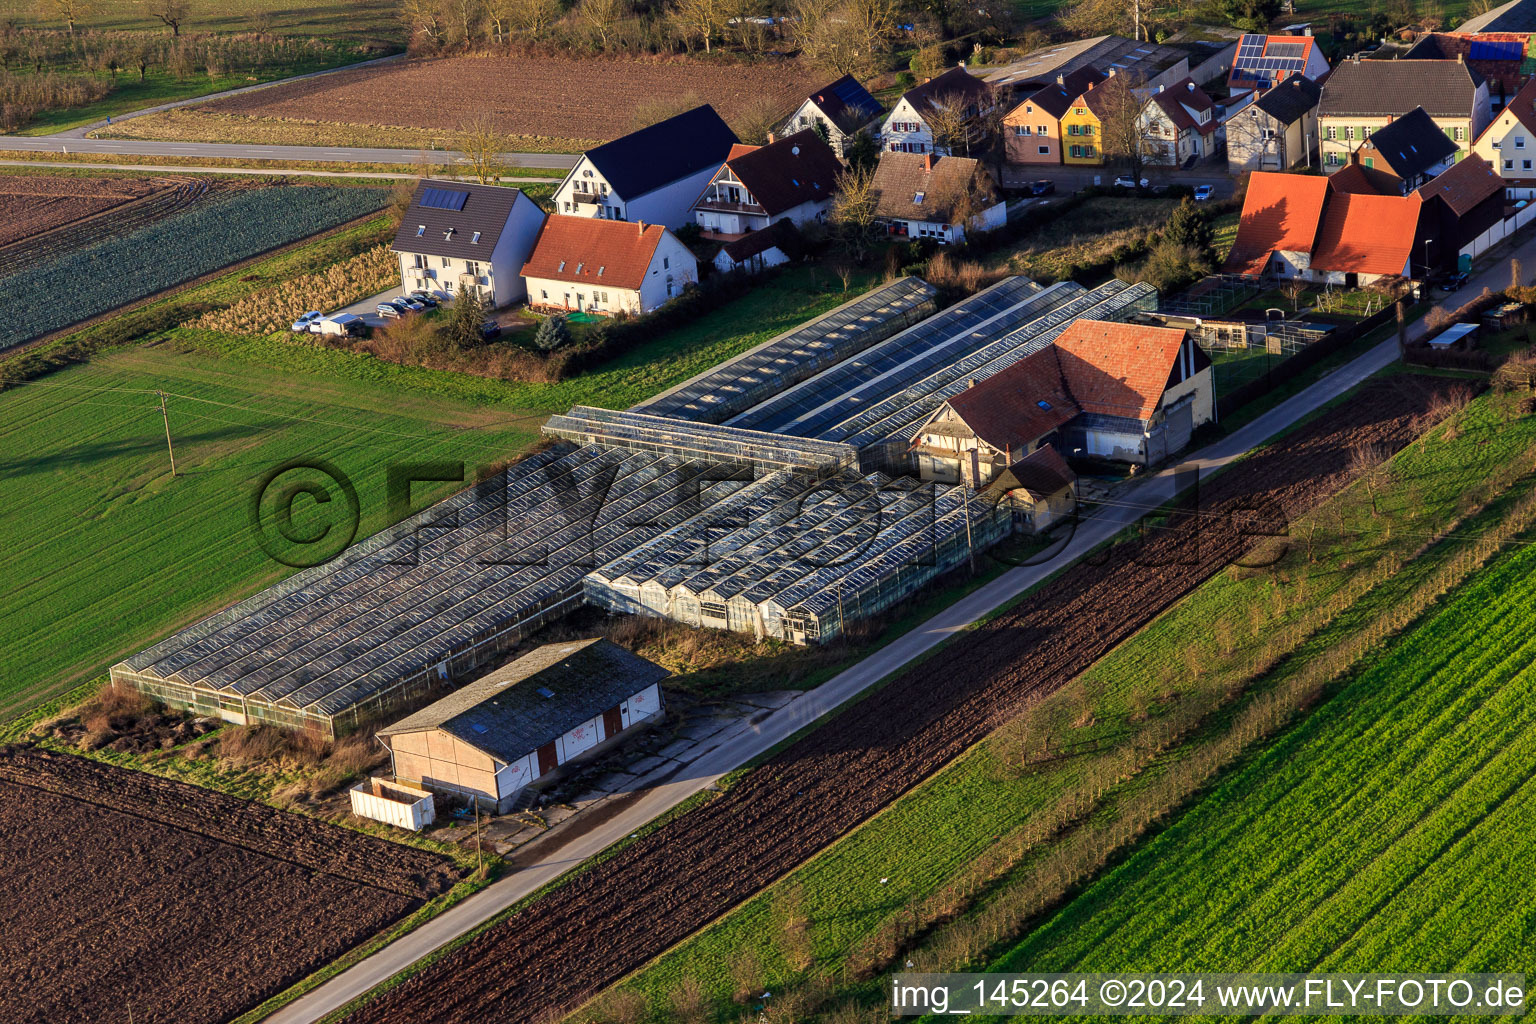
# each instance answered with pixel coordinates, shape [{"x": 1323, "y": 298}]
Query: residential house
[
  {"x": 1296, "y": 226},
  {"x": 1178, "y": 125},
  {"x": 522, "y": 724},
  {"x": 915, "y": 120},
  {"x": 1127, "y": 392},
  {"x": 764, "y": 248},
  {"x": 1509, "y": 143},
  {"x": 844, "y": 109},
  {"x": 1082, "y": 127},
  {"x": 1362, "y": 96},
  {"x": 1263, "y": 62},
  {"x": 654, "y": 174},
  {"x": 1277, "y": 131},
  {"x": 1458, "y": 207},
  {"x": 456, "y": 236},
  {"x": 1032, "y": 129},
  {"x": 1040, "y": 488},
  {"x": 1411, "y": 148},
  {"x": 581, "y": 264},
  {"x": 938, "y": 197},
  {"x": 1500, "y": 57},
  {"x": 791, "y": 179}
]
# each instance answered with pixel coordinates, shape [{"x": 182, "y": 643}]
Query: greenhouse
[
  {"x": 432, "y": 597},
  {"x": 796, "y": 355},
  {"x": 985, "y": 315}
]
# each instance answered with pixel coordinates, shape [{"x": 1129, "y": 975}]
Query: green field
[
  {"x": 1390, "y": 831},
  {"x": 108, "y": 549},
  {"x": 955, "y": 833}
]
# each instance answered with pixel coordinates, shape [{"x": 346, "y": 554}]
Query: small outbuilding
[{"x": 523, "y": 722}]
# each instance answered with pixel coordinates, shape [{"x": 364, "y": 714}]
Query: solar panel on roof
[
  {"x": 1496, "y": 50},
  {"x": 444, "y": 198}
]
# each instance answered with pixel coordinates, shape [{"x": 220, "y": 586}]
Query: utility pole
[
  {"x": 167, "y": 418},
  {"x": 479, "y": 861},
  {"x": 965, "y": 501}
]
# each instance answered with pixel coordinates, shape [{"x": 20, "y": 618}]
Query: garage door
[{"x": 1180, "y": 423}]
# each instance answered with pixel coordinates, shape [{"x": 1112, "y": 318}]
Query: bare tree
[
  {"x": 846, "y": 36},
  {"x": 483, "y": 144},
  {"x": 704, "y": 18},
  {"x": 534, "y": 16},
  {"x": 969, "y": 198},
  {"x": 601, "y": 17},
  {"x": 1124, "y": 136},
  {"x": 421, "y": 18},
  {"x": 854, "y": 215},
  {"x": 72, "y": 12},
  {"x": 172, "y": 13},
  {"x": 958, "y": 124}
]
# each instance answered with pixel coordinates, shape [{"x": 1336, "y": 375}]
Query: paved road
[
  {"x": 241, "y": 151},
  {"x": 1070, "y": 179},
  {"x": 80, "y": 133},
  {"x": 558, "y": 852},
  {"x": 263, "y": 171}
]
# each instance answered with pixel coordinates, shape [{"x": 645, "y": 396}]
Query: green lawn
[
  {"x": 104, "y": 544},
  {"x": 980, "y": 804}
]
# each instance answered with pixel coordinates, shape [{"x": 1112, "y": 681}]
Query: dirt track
[
  {"x": 616, "y": 916},
  {"x": 131, "y": 893}
]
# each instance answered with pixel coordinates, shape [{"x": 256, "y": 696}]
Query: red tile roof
[
  {"x": 1465, "y": 185},
  {"x": 1014, "y": 407},
  {"x": 1118, "y": 369},
  {"x": 1280, "y": 212},
  {"x": 799, "y": 168},
  {"x": 1367, "y": 234},
  {"x": 1176, "y": 100},
  {"x": 594, "y": 251},
  {"x": 1360, "y": 180}
]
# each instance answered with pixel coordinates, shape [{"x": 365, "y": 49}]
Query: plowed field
[
  {"x": 131, "y": 893},
  {"x": 619, "y": 914},
  {"x": 30, "y": 205},
  {"x": 546, "y": 97}
]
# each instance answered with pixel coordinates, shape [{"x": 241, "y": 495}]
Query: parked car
[
  {"x": 391, "y": 311},
  {"x": 1204, "y": 192},
  {"x": 1043, "y": 187},
  {"x": 307, "y": 322},
  {"x": 425, "y": 298},
  {"x": 1126, "y": 181},
  {"x": 409, "y": 303},
  {"x": 1454, "y": 282},
  {"x": 490, "y": 329}
]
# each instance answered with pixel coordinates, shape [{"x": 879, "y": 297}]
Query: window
[
  {"x": 1087, "y": 129},
  {"x": 1088, "y": 151},
  {"x": 1370, "y": 162},
  {"x": 1077, "y": 150},
  {"x": 1041, "y": 129},
  {"x": 666, "y": 263},
  {"x": 1071, "y": 129},
  {"x": 1021, "y": 129},
  {"x": 471, "y": 268},
  {"x": 601, "y": 269},
  {"x": 543, "y": 293},
  {"x": 1519, "y": 141},
  {"x": 1045, "y": 150},
  {"x": 1333, "y": 133},
  {"x": 1509, "y": 165},
  {"x": 474, "y": 239},
  {"x": 1461, "y": 134},
  {"x": 1525, "y": 165},
  {"x": 421, "y": 229},
  {"x": 567, "y": 206},
  {"x": 561, "y": 269},
  {"x": 1349, "y": 133},
  {"x": 1365, "y": 131},
  {"x": 579, "y": 266},
  {"x": 1495, "y": 143},
  {"x": 918, "y": 198},
  {"x": 447, "y": 262}
]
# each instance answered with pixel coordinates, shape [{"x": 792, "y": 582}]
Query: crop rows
[
  {"x": 1390, "y": 831},
  {"x": 65, "y": 282}
]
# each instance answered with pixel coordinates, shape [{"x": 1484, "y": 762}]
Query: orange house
[{"x": 1032, "y": 129}]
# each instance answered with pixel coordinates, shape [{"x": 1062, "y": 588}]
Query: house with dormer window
[
  {"x": 585, "y": 265},
  {"x": 916, "y": 123},
  {"x": 789, "y": 179},
  {"x": 456, "y": 236},
  {"x": 1179, "y": 124},
  {"x": 653, "y": 174},
  {"x": 937, "y": 197}
]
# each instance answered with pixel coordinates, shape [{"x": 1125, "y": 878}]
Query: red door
[
  {"x": 613, "y": 722},
  {"x": 548, "y": 762}
]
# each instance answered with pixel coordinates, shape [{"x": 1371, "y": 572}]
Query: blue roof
[{"x": 678, "y": 147}]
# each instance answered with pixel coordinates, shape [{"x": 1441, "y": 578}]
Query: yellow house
[{"x": 1081, "y": 132}]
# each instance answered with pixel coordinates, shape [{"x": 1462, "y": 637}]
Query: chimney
[
  {"x": 971, "y": 383},
  {"x": 1356, "y": 58},
  {"x": 928, "y": 164},
  {"x": 1160, "y": 90},
  {"x": 640, "y": 224},
  {"x": 772, "y": 138},
  {"x": 1061, "y": 79},
  {"x": 1461, "y": 58}
]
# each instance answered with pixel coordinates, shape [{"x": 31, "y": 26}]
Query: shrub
[{"x": 554, "y": 333}]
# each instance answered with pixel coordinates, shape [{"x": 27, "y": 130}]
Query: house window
[
  {"x": 1525, "y": 165},
  {"x": 1509, "y": 165},
  {"x": 1077, "y": 150},
  {"x": 567, "y": 206},
  {"x": 1041, "y": 129},
  {"x": 1365, "y": 131},
  {"x": 1519, "y": 141},
  {"x": 918, "y": 198},
  {"x": 1021, "y": 129},
  {"x": 666, "y": 264},
  {"x": 543, "y": 293},
  {"x": 1071, "y": 129},
  {"x": 1349, "y": 133},
  {"x": 421, "y": 229},
  {"x": 474, "y": 239},
  {"x": 447, "y": 262},
  {"x": 1045, "y": 150},
  {"x": 1333, "y": 132},
  {"x": 1461, "y": 134},
  {"x": 471, "y": 268}
]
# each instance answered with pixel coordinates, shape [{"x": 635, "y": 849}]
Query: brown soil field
[
  {"x": 132, "y": 894},
  {"x": 658, "y": 890},
  {"x": 554, "y": 103},
  {"x": 30, "y": 205}
]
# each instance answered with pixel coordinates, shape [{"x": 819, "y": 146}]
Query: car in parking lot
[
  {"x": 1204, "y": 192},
  {"x": 425, "y": 298},
  {"x": 1043, "y": 187},
  {"x": 1454, "y": 281},
  {"x": 1126, "y": 181},
  {"x": 490, "y": 329},
  {"x": 409, "y": 303},
  {"x": 392, "y": 309},
  {"x": 307, "y": 322}
]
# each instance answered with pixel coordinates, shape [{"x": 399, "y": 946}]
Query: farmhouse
[
  {"x": 1362, "y": 96},
  {"x": 1032, "y": 129},
  {"x": 942, "y": 114},
  {"x": 490, "y": 739},
  {"x": 789, "y": 179},
  {"x": 1412, "y": 149},
  {"x": 1509, "y": 143},
  {"x": 654, "y": 174},
  {"x": 1126, "y": 392},
  {"x": 936, "y": 197},
  {"x": 455, "y": 236},
  {"x": 1277, "y": 131},
  {"x": 844, "y": 109},
  {"x": 1263, "y": 62},
  {"x": 1179, "y": 124},
  {"x": 580, "y": 264}
]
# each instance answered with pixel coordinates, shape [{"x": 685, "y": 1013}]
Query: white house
[
  {"x": 909, "y": 128},
  {"x": 766, "y": 247},
  {"x": 927, "y": 196},
  {"x": 455, "y": 236},
  {"x": 789, "y": 179},
  {"x": 1509, "y": 143},
  {"x": 843, "y": 109},
  {"x": 654, "y": 174},
  {"x": 1179, "y": 124},
  {"x": 581, "y": 264}
]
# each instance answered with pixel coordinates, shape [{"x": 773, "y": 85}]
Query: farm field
[
  {"x": 33, "y": 204},
  {"x": 551, "y": 104},
  {"x": 1390, "y": 829},
  {"x": 701, "y": 864},
  {"x": 353, "y": 20},
  {"x": 197, "y": 228},
  {"x": 102, "y": 925},
  {"x": 981, "y": 819}
]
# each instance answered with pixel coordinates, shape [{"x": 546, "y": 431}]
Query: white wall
[
  {"x": 670, "y": 205},
  {"x": 773, "y": 256},
  {"x": 673, "y": 261},
  {"x": 919, "y": 141},
  {"x": 513, "y": 249},
  {"x": 543, "y": 291}
]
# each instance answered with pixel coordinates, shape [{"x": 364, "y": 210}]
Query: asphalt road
[
  {"x": 241, "y": 151},
  {"x": 1070, "y": 179},
  {"x": 559, "y": 852}
]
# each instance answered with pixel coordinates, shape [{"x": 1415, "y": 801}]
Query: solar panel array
[
  {"x": 1496, "y": 49},
  {"x": 753, "y": 377},
  {"x": 1268, "y": 63},
  {"x": 444, "y": 198}
]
